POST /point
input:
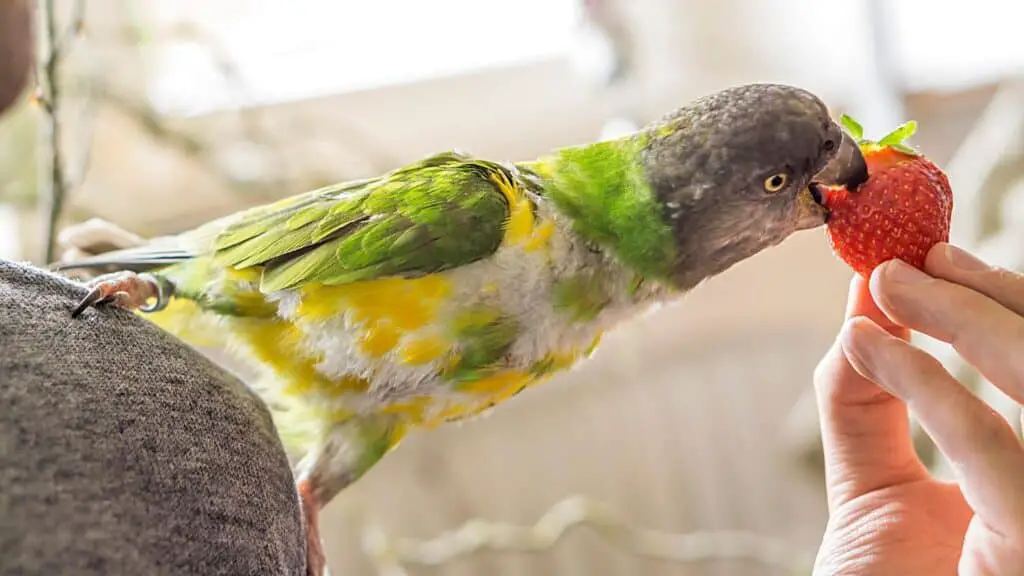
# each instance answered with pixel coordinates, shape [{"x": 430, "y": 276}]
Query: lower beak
[
  {"x": 810, "y": 213},
  {"x": 847, "y": 168}
]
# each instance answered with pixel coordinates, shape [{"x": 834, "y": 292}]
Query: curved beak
[{"x": 847, "y": 168}]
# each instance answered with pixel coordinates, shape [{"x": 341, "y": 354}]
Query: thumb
[{"x": 865, "y": 430}]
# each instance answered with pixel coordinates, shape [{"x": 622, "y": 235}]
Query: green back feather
[{"x": 442, "y": 212}]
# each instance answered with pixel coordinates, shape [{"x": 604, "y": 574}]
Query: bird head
[{"x": 737, "y": 171}]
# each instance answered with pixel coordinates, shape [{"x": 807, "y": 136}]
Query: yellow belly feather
[{"x": 389, "y": 309}]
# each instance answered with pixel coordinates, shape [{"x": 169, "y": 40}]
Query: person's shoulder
[
  {"x": 24, "y": 281},
  {"x": 119, "y": 430}
]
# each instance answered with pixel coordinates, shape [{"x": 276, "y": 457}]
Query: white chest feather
[{"x": 399, "y": 337}]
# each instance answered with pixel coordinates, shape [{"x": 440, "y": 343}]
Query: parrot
[{"x": 435, "y": 291}]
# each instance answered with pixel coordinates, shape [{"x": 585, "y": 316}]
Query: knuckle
[
  {"x": 1007, "y": 288},
  {"x": 924, "y": 364},
  {"x": 940, "y": 308},
  {"x": 1001, "y": 275},
  {"x": 965, "y": 302},
  {"x": 965, "y": 315},
  {"x": 990, "y": 429}
]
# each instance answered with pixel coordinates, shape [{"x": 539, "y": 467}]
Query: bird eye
[
  {"x": 829, "y": 145},
  {"x": 776, "y": 182}
]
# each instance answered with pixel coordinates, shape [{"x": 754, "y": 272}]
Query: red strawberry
[{"x": 901, "y": 211}]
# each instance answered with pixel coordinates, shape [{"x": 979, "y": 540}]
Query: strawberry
[{"x": 901, "y": 211}]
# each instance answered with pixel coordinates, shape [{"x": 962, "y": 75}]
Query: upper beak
[{"x": 847, "y": 168}]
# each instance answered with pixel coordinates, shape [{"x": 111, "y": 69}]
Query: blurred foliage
[
  {"x": 18, "y": 138},
  {"x": 19, "y": 144}
]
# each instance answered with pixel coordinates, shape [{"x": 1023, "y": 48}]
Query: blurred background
[{"x": 690, "y": 435}]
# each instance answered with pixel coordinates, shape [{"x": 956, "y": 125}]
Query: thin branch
[
  {"x": 188, "y": 146},
  {"x": 251, "y": 114},
  {"x": 63, "y": 46},
  {"x": 391, "y": 556},
  {"x": 53, "y": 182}
]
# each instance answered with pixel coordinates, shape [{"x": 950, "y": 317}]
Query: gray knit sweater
[{"x": 123, "y": 451}]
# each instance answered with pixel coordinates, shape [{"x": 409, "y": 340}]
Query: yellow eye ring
[{"x": 775, "y": 182}]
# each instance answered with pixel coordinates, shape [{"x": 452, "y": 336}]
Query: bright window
[
  {"x": 284, "y": 51},
  {"x": 952, "y": 43}
]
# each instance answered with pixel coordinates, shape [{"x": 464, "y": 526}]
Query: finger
[
  {"x": 985, "y": 453},
  {"x": 865, "y": 431},
  {"x": 983, "y": 331},
  {"x": 961, "y": 267}
]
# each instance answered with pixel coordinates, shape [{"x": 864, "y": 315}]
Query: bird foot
[
  {"x": 316, "y": 562},
  {"x": 127, "y": 290}
]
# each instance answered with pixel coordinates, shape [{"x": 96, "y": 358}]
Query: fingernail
[
  {"x": 903, "y": 273},
  {"x": 857, "y": 345},
  {"x": 964, "y": 260},
  {"x": 864, "y": 346}
]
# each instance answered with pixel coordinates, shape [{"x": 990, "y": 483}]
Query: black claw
[
  {"x": 94, "y": 297},
  {"x": 164, "y": 289},
  {"x": 157, "y": 306}
]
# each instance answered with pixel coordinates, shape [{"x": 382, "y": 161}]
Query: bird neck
[{"x": 602, "y": 188}]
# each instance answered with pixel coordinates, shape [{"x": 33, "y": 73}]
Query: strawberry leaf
[
  {"x": 905, "y": 149},
  {"x": 897, "y": 136},
  {"x": 852, "y": 126}
]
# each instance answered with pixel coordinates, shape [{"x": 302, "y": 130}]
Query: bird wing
[{"x": 442, "y": 212}]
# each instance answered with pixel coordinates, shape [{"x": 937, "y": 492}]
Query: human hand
[{"x": 888, "y": 515}]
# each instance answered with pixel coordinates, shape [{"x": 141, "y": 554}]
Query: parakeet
[{"x": 436, "y": 291}]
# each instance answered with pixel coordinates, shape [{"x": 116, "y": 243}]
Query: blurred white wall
[
  {"x": 678, "y": 423},
  {"x": 362, "y": 87},
  {"x": 10, "y": 237}
]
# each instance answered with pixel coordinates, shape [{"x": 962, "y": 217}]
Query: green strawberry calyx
[{"x": 894, "y": 139}]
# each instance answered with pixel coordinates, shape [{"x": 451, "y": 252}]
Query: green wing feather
[{"x": 443, "y": 212}]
